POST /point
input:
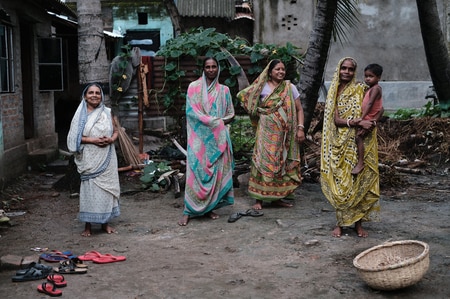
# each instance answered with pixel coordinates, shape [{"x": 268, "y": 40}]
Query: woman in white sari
[{"x": 91, "y": 138}]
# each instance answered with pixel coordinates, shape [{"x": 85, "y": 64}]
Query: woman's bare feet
[
  {"x": 337, "y": 232},
  {"x": 257, "y": 205},
  {"x": 362, "y": 233},
  {"x": 213, "y": 215},
  {"x": 184, "y": 220},
  {"x": 283, "y": 204},
  {"x": 107, "y": 228},
  {"x": 87, "y": 230}
]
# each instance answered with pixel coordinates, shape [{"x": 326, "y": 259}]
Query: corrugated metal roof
[
  {"x": 207, "y": 8},
  {"x": 56, "y": 6}
]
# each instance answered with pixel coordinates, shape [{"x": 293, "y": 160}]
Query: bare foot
[
  {"x": 337, "y": 232},
  {"x": 108, "y": 229},
  {"x": 87, "y": 230},
  {"x": 358, "y": 168},
  {"x": 283, "y": 204},
  {"x": 362, "y": 233},
  {"x": 184, "y": 220},
  {"x": 213, "y": 215},
  {"x": 257, "y": 205}
]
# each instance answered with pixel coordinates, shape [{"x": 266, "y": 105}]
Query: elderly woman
[{"x": 91, "y": 138}]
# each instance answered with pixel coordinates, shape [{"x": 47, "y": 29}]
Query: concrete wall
[
  {"x": 14, "y": 156},
  {"x": 388, "y": 34},
  {"x": 401, "y": 94}
]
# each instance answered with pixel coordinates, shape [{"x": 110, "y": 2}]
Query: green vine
[
  {"x": 200, "y": 42},
  {"x": 119, "y": 77}
]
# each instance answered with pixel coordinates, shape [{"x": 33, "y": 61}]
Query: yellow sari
[{"x": 354, "y": 197}]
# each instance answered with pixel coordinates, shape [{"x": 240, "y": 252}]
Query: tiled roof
[{"x": 207, "y": 8}]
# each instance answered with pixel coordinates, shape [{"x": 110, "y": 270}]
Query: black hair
[
  {"x": 89, "y": 85},
  {"x": 273, "y": 63},
  {"x": 375, "y": 68},
  {"x": 209, "y": 58}
]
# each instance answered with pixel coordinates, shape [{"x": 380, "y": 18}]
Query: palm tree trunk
[
  {"x": 92, "y": 60},
  {"x": 435, "y": 50},
  {"x": 311, "y": 75}
]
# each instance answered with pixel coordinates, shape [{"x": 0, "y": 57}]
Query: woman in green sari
[
  {"x": 355, "y": 198},
  {"x": 277, "y": 115}
]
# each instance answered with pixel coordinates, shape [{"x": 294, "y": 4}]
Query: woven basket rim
[{"x": 407, "y": 262}]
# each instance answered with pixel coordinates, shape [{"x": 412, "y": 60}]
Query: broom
[{"x": 129, "y": 150}]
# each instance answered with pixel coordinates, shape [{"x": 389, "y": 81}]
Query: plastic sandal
[
  {"x": 90, "y": 255},
  {"x": 49, "y": 289},
  {"x": 109, "y": 258},
  {"x": 37, "y": 266},
  {"x": 57, "y": 279},
  {"x": 69, "y": 269},
  {"x": 56, "y": 256},
  {"x": 30, "y": 274}
]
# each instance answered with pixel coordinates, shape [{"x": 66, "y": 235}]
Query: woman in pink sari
[{"x": 210, "y": 164}]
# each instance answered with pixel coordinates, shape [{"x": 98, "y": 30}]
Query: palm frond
[{"x": 347, "y": 18}]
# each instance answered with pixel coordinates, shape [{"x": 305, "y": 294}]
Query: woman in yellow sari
[
  {"x": 276, "y": 112},
  {"x": 355, "y": 198}
]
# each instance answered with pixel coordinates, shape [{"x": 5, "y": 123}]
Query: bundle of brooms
[{"x": 129, "y": 150}]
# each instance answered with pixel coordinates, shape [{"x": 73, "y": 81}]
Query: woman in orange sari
[{"x": 276, "y": 112}]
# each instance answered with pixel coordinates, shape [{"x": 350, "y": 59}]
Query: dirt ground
[{"x": 286, "y": 253}]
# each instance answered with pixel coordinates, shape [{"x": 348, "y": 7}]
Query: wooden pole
[{"x": 141, "y": 107}]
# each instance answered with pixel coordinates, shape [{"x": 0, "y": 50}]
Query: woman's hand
[
  {"x": 102, "y": 141},
  {"x": 366, "y": 124},
  {"x": 300, "y": 135}
]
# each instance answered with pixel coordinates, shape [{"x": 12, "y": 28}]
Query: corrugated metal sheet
[
  {"x": 207, "y": 8},
  {"x": 128, "y": 105},
  {"x": 56, "y": 6}
]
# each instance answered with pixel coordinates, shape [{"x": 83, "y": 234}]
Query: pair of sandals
[
  {"x": 50, "y": 287},
  {"x": 34, "y": 271},
  {"x": 71, "y": 266},
  {"x": 250, "y": 212}
]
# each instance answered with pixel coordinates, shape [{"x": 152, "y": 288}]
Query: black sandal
[{"x": 30, "y": 274}]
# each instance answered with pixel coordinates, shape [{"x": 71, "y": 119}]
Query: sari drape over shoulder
[
  {"x": 354, "y": 197},
  {"x": 100, "y": 188},
  {"x": 275, "y": 166},
  {"x": 210, "y": 163}
]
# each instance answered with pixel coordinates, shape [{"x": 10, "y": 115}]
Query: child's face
[{"x": 370, "y": 78}]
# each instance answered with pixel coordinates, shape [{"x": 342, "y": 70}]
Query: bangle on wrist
[
  {"x": 348, "y": 122},
  {"x": 302, "y": 127}
]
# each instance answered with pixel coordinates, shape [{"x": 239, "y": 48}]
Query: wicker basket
[{"x": 393, "y": 265}]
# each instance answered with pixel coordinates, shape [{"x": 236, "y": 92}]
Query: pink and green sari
[{"x": 210, "y": 164}]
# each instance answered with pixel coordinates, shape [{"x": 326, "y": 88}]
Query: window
[
  {"x": 50, "y": 64},
  {"x": 6, "y": 60}
]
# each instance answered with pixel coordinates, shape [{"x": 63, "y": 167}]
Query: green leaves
[
  {"x": 208, "y": 42},
  {"x": 151, "y": 176}
]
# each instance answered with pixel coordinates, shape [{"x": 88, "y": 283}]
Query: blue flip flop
[{"x": 56, "y": 256}]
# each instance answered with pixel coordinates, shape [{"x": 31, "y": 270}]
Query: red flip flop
[
  {"x": 109, "y": 258},
  {"x": 49, "y": 289},
  {"x": 57, "y": 279},
  {"x": 90, "y": 255}
]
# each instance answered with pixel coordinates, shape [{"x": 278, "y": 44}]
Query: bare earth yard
[{"x": 287, "y": 253}]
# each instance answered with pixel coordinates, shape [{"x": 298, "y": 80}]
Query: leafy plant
[
  {"x": 207, "y": 42},
  {"x": 151, "y": 175},
  {"x": 242, "y": 137},
  {"x": 428, "y": 110},
  {"x": 120, "y": 76}
]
